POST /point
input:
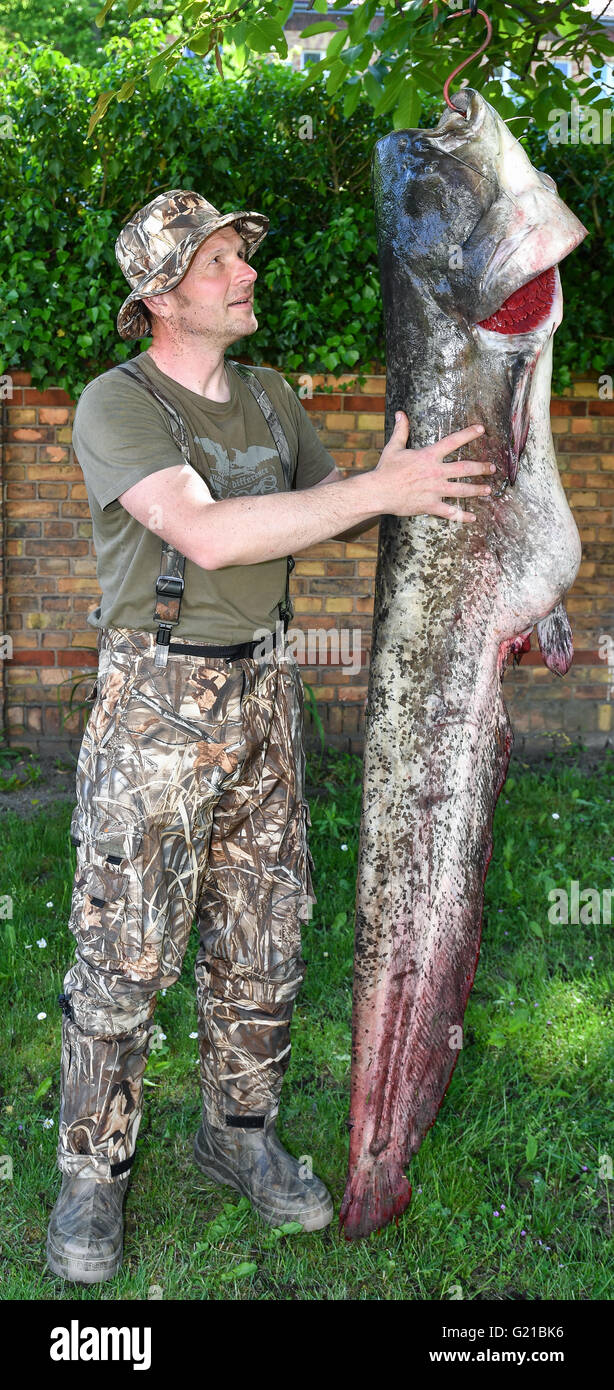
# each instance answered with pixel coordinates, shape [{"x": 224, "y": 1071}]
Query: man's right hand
[{"x": 412, "y": 482}]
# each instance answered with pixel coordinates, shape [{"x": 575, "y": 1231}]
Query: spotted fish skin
[{"x": 464, "y": 221}]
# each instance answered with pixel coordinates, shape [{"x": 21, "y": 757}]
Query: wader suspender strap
[
  {"x": 286, "y": 610},
  {"x": 170, "y": 582}
]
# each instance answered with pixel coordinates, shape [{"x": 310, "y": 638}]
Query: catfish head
[{"x": 469, "y": 238}]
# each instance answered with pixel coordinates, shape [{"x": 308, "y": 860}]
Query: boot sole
[
  {"x": 82, "y": 1270},
  {"x": 274, "y": 1216}
]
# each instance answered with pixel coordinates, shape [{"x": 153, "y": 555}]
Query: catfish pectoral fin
[
  {"x": 374, "y": 1195},
  {"x": 521, "y": 380},
  {"x": 555, "y": 640}
]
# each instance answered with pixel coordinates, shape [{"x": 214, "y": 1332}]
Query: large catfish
[{"x": 469, "y": 236}]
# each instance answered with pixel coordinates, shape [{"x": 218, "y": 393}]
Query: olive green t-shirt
[{"x": 121, "y": 434}]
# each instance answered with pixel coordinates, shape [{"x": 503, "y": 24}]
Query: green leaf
[
  {"x": 126, "y": 91},
  {"x": 535, "y": 927},
  {"x": 335, "y": 77},
  {"x": 157, "y": 76},
  {"x": 372, "y": 88},
  {"x": 322, "y": 27},
  {"x": 42, "y": 1089},
  {"x": 200, "y": 42},
  {"x": 264, "y": 34},
  {"x": 336, "y": 44},
  {"x": 408, "y": 108},
  {"x": 351, "y": 95},
  {"x": 99, "y": 110},
  {"x": 241, "y": 1271},
  {"x": 99, "y": 19},
  {"x": 531, "y": 1148}
]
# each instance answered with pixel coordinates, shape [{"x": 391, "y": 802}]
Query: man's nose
[{"x": 246, "y": 272}]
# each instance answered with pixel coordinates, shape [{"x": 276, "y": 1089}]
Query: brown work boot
[
  {"x": 86, "y": 1231},
  {"x": 255, "y": 1163}
]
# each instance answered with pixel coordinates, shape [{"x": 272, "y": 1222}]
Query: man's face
[{"x": 214, "y": 300}]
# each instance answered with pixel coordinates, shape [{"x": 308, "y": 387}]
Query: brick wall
[{"x": 48, "y": 569}]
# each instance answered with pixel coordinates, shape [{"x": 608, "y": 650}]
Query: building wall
[{"x": 48, "y": 577}]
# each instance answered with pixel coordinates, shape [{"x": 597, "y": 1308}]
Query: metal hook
[{"x": 458, "y": 15}]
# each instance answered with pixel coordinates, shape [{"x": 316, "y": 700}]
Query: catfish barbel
[{"x": 469, "y": 238}]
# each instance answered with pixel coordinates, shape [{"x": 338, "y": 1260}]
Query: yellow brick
[
  {"x": 337, "y": 421},
  {"x": 356, "y": 549},
  {"x": 21, "y": 675},
  {"x": 604, "y": 715},
  {"x": 582, "y": 499},
  {"x": 307, "y": 605},
  {"x": 53, "y": 675},
  {"x": 582, "y": 425},
  {"x": 38, "y": 620},
  {"x": 559, "y": 425},
  {"x": 64, "y": 435},
  {"x": 310, "y": 567},
  {"x": 370, "y": 422},
  {"x": 339, "y": 605},
  {"x": 375, "y": 386},
  {"x": 323, "y": 692},
  {"x": 588, "y": 389}
]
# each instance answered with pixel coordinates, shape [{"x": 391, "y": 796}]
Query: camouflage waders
[{"x": 191, "y": 803}]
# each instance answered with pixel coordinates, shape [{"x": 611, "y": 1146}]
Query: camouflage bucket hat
[{"x": 155, "y": 248}]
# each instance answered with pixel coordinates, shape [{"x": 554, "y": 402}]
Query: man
[{"x": 190, "y": 780}]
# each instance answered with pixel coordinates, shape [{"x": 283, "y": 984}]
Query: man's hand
[{"x": 413, "y": 482}]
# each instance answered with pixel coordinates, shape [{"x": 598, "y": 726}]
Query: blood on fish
[{"x": 526, "y": 308}]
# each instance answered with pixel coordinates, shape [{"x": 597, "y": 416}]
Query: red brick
[
  {"x": 567, "y": 407},
  {"x": 321, "y": 401},
  {"x": 38, "y": 657},
  {"x": 53, "y": 489},
  {"x": 82, "y": 656},
  {"x": 53, "y": 396},
  {"x": 20, "y": 490},
  {"x": 27, "y": 434},
  {"x": 373, "y": 404},
  {"x": 53, "y": 415}
]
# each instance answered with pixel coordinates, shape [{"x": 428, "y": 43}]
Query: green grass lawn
[{"x": 513, "y": 1184}]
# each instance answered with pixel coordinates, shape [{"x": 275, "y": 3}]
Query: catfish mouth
[{"x": 527, "y": 308}]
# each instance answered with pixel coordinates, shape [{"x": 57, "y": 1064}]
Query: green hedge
[{"x": 63, "y": 200}]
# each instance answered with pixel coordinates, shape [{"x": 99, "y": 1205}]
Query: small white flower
[
  {"x": 555, "y": 815},
  {"x": 42, "y": 943},
  {"x": 193, "y": 1035},
  {"x": 344, "y": 846},
  {"x": 41, "y": 1016},
  {"x": 49, "y": 904},
  {"x": 162, "y": 991},
  {"x": 325, "y": 953},
  {"x": 162, "y": 1036},
  {"x": 47, "y": 1124},
  {"x": 28, "y": 948}
]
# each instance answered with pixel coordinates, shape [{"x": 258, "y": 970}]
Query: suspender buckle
[
  {"x": 172, "y": 585},
  {"x": 162, "y": 641}
]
